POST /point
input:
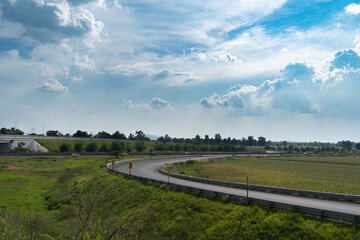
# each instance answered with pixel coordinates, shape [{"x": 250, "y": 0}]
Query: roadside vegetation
[
  {"x": 64, "y": 145},
  {"x": 327, "y": 173},
  {"x": 75, "y": 198}
]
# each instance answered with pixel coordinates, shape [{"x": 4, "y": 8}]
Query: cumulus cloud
[
  {"x": 346, "y": 59},
  {"x": 155, "y": 104},
  {"x": 301, "y": 89},
  {"x": 53, "y": 86},
  {"x": 353, "y": 8},
  {"x": 83, "y": 62},
  {"x": 47, "y": 21}
]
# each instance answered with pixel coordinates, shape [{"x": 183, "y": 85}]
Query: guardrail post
[{"x": 247, "y": 187}]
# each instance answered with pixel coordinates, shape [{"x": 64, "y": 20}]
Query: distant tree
[
  {"x": 261, "y": 141},
  {"x": 167, "y": 138},
  {"x": 206, "y": 139},
  {"x": 4, "y": 131},
  {"x": 346, "y": 145},
  {"x": 103, "y": 135},
  {"x": 115, "y": 146},
  {"x": 131, "y": 136},
  {"x": 140, "y": 146},
  {"x": 91, "y": 147},
  {"x": 217, "y": 138},
  {"x": 64, "y": 147},
  {"x": 291, "y": 148},
  {"x": 140, "y": 135},
  {"x": 250, "y": 141},
  {"x": 104, "y": 148},
  {"x": 81, "y": 134},
  {"x": 177, "y": 147},
  {"x": 118, "y": 135},
  {"x": 53, "y": 133},
  {"x": 78, "y": 147},
  {"x": 197, "y": 138},
  {"x": 357, "y": 146}
]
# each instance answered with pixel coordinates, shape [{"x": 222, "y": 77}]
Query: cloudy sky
[{"x": 285, "y": 70}]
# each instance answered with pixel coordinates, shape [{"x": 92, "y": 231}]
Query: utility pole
[
  {"x": 16, "y": 123},
  {"x": 43, "y": 128}
]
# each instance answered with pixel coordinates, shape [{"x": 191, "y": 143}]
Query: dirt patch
[
  {"x": 14, "y": 168},
  {"x": 10, "y": 167}
]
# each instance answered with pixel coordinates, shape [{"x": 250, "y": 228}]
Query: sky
[{"x": 285, "y": 70}]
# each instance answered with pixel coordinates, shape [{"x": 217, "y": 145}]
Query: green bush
[
  {"x": 91, "y": 147},
  {"x": 104, "y": 148},
  {"x": 78, "y": 147},
  {"x": 65, "y": 147}
]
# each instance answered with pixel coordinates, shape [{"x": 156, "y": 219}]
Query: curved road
[{"x": 149, "y": 168}]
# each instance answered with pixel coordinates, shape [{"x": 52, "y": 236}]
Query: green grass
[
  {"x": 55, "y": 196},
  {"x": 338, "y": 174}
]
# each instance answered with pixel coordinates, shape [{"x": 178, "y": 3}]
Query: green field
[
  {"x": 338, "y": 174},
  {"x": 75, "y": 198}
]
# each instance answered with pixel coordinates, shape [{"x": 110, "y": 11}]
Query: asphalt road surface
[{"x": 149, "y": 168}]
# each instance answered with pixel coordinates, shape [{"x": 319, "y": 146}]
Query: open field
[
  {"x": 337, "y": 174},
  {"x": 75, "y": 197}
]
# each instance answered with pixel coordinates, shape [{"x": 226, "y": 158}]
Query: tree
[
  {"x": 357, "y": 146},
  {"x": 80, "y": 134},
  {"x": 197, "y": 138},
  {"x": 78, "y": 147},
  {"x": 104, "y": 148},
  {"x": 140, "y": 146},
  {"x": 91, "y": 147},
  {"x": 206, "y": 139},
  {"x": 217, "y": 138},
  {"x": 118, "y": 135},
  {"x": 167, "y": 138},
  {"x": 131, "y": 136},
  {"x": 4, "y": 131},
  {"x": 65, "y": 147},
  {"x": 250, "y": 141},
  {"x": 53, "y": 133},
  {"x": 115, "y": 146},
  {"x": 140, "y": 135},
  {"x": 103, "y": 134},
  {"x": 346, "y": 145},
  {"x": 261, "y": 141}
]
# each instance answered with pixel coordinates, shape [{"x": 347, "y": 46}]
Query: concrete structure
[
  {"x": 4, "y": 146},
  {"x": 13, "y": 143}
]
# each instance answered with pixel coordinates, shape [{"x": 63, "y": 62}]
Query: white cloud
[
  {"x": 83, "y": 62},
  {"x": 353, "y": 8},
  {"x": 53, "y": 86},
  {"x": 155, "y": 104}
]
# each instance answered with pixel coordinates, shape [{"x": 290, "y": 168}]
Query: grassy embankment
[
  {"x": 338, "y": 174},
  {"x": 66, "y": 198},
  {"x": 53, "y": 145}
]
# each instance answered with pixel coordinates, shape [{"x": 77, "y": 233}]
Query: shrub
[
  {"x": 91, "y": 147},
  {"x": 78, "y": 147},
  {"x": 140, "y": 146},
  {"x": 115, "y": 146},
  {"x": 104, "y": 148},
  {"x": 65, "y": 147}
]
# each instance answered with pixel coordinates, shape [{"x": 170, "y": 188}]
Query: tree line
[{"x": 199, "y": 141}]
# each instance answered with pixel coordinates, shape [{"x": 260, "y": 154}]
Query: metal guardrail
[
  {"x": 337, "y": 196},
  {"x": 312, "y": 212}
]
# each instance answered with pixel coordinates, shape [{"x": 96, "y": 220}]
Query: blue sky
[{"x": 286, "y": 70}]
